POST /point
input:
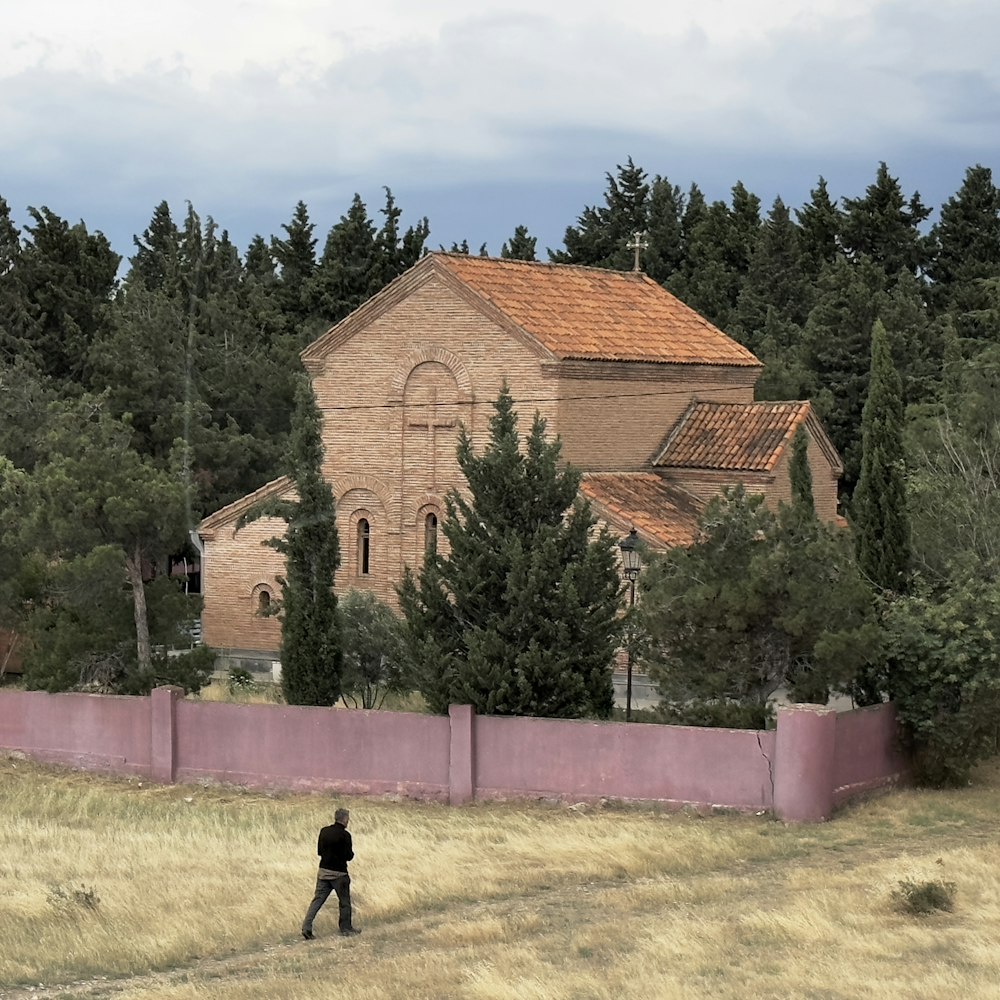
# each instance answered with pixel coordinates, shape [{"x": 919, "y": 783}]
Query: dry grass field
[{"x": 116, "y": 888}]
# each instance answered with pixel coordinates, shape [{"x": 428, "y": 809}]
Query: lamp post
[{"x": 631, "y": 564}]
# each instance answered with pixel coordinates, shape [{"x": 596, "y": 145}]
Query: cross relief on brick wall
[{"x": 431, "y": 418}]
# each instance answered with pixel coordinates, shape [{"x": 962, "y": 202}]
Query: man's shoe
[
  {"x": 350, "y": 931},
  {"x": 308, "y": 935}
]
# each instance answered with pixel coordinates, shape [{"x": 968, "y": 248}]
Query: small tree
[
  {"x": 311, "y": 652},
  {"x": 521, "y": 617},
  {"x": 373, "y": 653},
  {"x": 760, "y": 601}
]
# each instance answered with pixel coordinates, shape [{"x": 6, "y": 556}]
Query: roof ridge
[{"x": 517, "y": 262}]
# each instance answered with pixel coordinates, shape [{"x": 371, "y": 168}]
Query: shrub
[
  {"x": 240, "y": 681},
  {"x": 944, "y": 676},
  {"x": 920, "y": 898}
]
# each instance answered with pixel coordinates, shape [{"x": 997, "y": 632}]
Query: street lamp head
[{"x": 631, "y": 557}]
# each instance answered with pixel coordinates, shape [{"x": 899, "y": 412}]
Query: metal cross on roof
[{"x": 638, "y": 243}]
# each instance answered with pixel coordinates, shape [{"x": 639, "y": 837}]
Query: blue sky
[{"x": 481, "y": 116}]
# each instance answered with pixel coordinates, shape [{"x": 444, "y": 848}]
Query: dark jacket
[{"x": 334, "y": 848}]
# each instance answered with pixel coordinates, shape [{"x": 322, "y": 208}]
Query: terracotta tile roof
[
  {"x": 663, "y": 515},
  {"x": 593, "y": 314},
  {"x": 744, "y": 436}
]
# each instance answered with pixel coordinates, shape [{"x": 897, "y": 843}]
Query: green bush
[
  {"x": 191, "y": 671},
  {"x": 943, "y": 673},
  {"x": 921, "y": 898},
  {"x": 240, "y": 681}
]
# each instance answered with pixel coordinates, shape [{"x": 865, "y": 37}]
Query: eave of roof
[{"x": 663, "y": 515}]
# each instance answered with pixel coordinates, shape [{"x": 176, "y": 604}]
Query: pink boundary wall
[{"x": 813, "y": 761}]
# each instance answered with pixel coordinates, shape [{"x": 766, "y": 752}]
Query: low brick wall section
[{"x": 814, "y": 759}]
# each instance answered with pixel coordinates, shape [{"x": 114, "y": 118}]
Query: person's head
[{"x": 341, "y": 816}]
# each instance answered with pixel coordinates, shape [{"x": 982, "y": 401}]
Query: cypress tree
[
  {"x": 521, "y": 615},
  {"x": 799, "y": 472},
  {"x": 311, "y": 649},
  {"x": 879, "y": 505}
]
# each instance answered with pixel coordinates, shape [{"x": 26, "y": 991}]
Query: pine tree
[
  {"x": 296, "y": 258},
  {"x": 966, "y": 242},
  {"x": 68, "y": 277},
  {"x": 820, "y": 226},
  {"x": 664, "y": 254},
  {"x": 521, "y": 246},
  {"x": 520, "y": 617},
  {"x": 311, "y": 649},
  {"x": 349, "y": 270},
  {"x": 600, "y": 236},
  {"x": 155, "y": 264},
  {"x": 836, "y": 350},
  {"x": 879, "y": 505},
  {"x": 885, "y": 227},
  {"x": 775, "y": 279},
  {"x": 397, "y": 253}
]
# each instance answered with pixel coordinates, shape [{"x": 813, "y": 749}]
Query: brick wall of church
[
  {"x": 392, "y": 399},
  {"x": 613, "y": 417},
  {"x": 235, "y": 572}
]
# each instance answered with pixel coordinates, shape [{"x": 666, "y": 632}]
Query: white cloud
[{"x": 241, "y": 96}]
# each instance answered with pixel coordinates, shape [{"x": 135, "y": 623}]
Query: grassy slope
[{"x": 202, "y": 891}]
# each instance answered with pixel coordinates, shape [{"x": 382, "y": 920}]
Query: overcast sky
[{"x": 480, "y": 115}]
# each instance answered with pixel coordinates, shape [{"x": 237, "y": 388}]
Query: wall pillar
[
  {"x": 164, "y": 732},
  {"x": 804, "y": 747},
  {"x": 461, "y": 757}
]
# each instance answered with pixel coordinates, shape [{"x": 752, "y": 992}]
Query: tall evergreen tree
[
  {"x": 296, "y": 258},
  {"x": 879, "y": 505},
  {"x": 521, "y": 246},
  {"x": 349, "y": 270},
  {"x": 775, "y": 279},
  {"x": 837, "y": 351},
  {"x": 820, "y": 226},
  {"x": 16, "y": 323},
  {"x": 68, "y": 277},
  {"x": 155, "y": 263},
  {"x": 885, "y": 226},
  {"x": 521, "y": 615},
  {"x": 601, "y": 235},
  {"x": 799, "y": 472},
  {"x": 311, "y": 648},
  {"x": 966, "y": 242}
]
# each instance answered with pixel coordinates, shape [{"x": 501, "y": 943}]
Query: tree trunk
[{"x": 133, "y": 567}]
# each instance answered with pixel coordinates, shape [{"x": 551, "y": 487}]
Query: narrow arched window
[
  {"x": 263, "y": 602},
  {"x": 364, "y": 547},
  {"x": 430, "y": 532}
]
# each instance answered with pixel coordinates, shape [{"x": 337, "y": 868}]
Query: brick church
[{"x": 653, "y": 403}]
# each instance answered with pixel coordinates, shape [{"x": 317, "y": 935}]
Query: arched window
[
  {"x": 430, "y": 532},
  {"x": 263, "y": 602},
  {"x": 364, "y": 547}
]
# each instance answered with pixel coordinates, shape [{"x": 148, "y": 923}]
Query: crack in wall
[{"x": 770, "y": 767}]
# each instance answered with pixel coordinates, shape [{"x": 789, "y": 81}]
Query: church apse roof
[
  {"x": 748, "y": 437},
  {"x": 587, "y": 313},
  {"x": 662, "y": 514}
]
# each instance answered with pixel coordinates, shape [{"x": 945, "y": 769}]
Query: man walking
[{"x": 334, "y": 850}]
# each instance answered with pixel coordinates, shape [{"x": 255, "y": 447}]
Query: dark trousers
[{"x": 341, "y": 885}]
